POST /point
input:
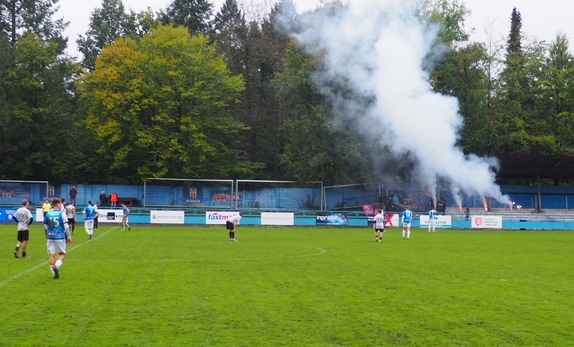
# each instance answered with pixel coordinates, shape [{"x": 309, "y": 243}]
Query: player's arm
[
  {"x": 46, "y": 221},
  {"x": 15, "y": 218},
  {"x": 30, "y": 218},
  {"x": 66, "y": 228}
]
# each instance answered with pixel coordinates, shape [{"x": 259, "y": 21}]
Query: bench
[{"x": 128, "y": 201}]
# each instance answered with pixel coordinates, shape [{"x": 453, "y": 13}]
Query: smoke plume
[{"x": 379, "y": 48}]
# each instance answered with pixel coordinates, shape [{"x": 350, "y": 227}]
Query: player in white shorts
[
  {"x": 58, "y": 235},
  {"x": 432, "y": 220},
  {"x": 407, "y": 219},
  {"x": 89, "y": 214}
]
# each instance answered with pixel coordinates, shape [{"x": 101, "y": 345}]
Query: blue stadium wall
[{"x": 552, "y": 197}]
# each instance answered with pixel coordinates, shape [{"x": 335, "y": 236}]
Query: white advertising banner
[
  {"x": 268, "y": 218},
  {"x": 106, "y": 216},
  {"x": 441, "y": 221},
  {"x": 167, "y": 217},
  {"x": 39, "y": 215},
  {"x": 216, "y": 217},
  {"x": 486, "y": 222}
]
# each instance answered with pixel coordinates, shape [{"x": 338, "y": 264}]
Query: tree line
[{"x": 190, "y": 92}]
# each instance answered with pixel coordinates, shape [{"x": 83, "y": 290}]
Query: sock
[
  {"x": 58, "y": 263},
  {"x": 23, "y": 253},
  {"x": 403, "y": 233},
  {"x": 17, "y": 249},
  {"x": 408, "y": 234},
  {"x": 230, "y": 235},
  {"x": 233, "y": 235},
  {"x": 52, "y": 270}
]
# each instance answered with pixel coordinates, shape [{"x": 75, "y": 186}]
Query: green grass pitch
[{"x": 191, "y": 286}]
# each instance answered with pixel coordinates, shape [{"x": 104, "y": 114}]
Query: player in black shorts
[{"x": 231, "y": 223}]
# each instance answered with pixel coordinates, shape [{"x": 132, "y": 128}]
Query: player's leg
[
  {"x": 91, "y": 228},
  {"x": 52, "y": 262},
  {"x": 404, "y": 230},
  {"x": 24, "y": 246},
  {"x": 128, "y": 223},
  {"x": 382, "y": 233},
  {"x": 18, "y": 245},
  {"x": 60, "y": 260},
  {"x": 408, "y": 231},
  {"x": 61, "y": 248}
]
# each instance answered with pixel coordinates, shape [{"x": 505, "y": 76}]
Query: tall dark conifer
[{"x": 195, "y": 15}]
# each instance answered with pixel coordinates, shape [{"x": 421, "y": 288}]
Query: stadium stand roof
[{"x": 516, "y": 166}]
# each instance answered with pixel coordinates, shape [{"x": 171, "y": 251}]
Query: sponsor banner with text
[
  {"x": 6, "y": 214},
  {"x": 107, "y": 215},
  {"x": 268, "y": 218},
  {"x": 327, "y": 218},
  {"x": 218, "y": 217},
  {"x": 486, "y": 222},
  {"x": 441, "y": 221},
  {"x": 167, "y": 217}
]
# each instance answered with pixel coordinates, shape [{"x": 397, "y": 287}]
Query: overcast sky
[{"x": 541, "y": 19}]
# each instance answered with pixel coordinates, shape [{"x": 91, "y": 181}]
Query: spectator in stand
[
  {"x": 114, "y": 199},
  {"x": 466, "y": 213},
  {"x": 103, "y": 199},
  {"x": 73, "y": 194}
]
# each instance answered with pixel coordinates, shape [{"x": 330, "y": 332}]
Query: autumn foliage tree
[{"x": 159, "y": 108}]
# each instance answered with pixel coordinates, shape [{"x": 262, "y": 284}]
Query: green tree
[
  {"x": 230, "y": 33},
  {"x": 35, "y": 16},
  {"x": 160, "y": 108},
  {"x": 195, "y": 15},
  {"x": 557, "y": 96},
  {"x": 108, "y": 23},
  {"x": 462, "y": 74},
  {"x": 320, "y": 144},
  {"x": 38, "y": 114}
]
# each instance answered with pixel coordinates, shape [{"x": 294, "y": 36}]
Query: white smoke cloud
[{"x": 378, "y": 48}]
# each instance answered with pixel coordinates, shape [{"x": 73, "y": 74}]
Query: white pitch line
[{"x": 46, "y": 262}]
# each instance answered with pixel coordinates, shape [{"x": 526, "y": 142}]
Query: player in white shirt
[
  {"x": 231, "y": 223},
  {"x": 24, "y": 218},
  {"x": 71, "y": 214},
  {"x": 379, "y": 225}
]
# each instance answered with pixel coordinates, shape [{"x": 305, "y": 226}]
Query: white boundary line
[
  {"x": 44, "y": 263},
  {"x": 321, "y": 252}
]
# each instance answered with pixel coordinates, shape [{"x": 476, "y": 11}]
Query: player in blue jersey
[
  {"x": 433, "y": 216},
  {"x": 89, "y": 214},
  {"x": 126, "y": 212},
  {"x": 57, "y": 235},
  {"x": 407, "y": 219}
]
